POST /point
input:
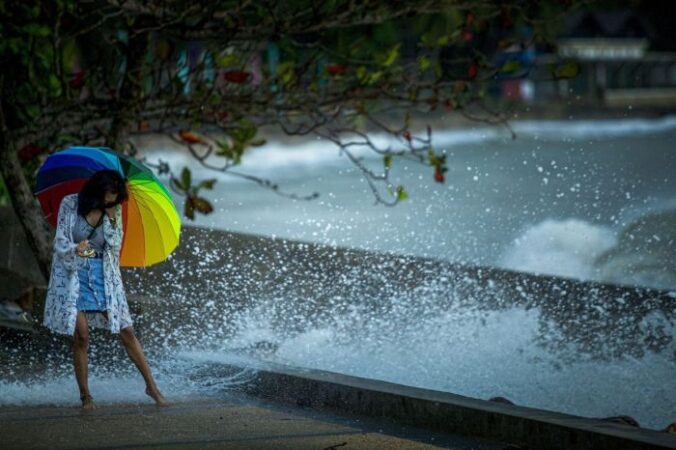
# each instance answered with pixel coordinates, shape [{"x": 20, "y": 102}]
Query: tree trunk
[{"x": 26, "y": 208}]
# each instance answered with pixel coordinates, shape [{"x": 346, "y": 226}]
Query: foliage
[
  {"x": 4, "y": 195},
  {"x": 210, "y": 74}
]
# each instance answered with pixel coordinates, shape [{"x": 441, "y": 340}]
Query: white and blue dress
[
  {"x": 64, "y": 290},
  {"x": 90, "y": 269}
]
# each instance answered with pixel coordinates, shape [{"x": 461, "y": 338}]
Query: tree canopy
[{"x": 210, "y": 74}]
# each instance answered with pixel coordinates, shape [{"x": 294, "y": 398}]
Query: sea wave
[
  {"x": 641, "y": 253},
  {"x": 279, "y": 156}
]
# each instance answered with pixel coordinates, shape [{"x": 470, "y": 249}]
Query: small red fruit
[{"x": 407, "y": 135}]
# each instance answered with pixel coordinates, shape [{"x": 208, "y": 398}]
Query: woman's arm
[
  {"x": 64, "y": 247},
  {"x": 112, "y": 227}
]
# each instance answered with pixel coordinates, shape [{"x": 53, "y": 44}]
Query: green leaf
[
  {"x": 510, "y": 66},
  {"x": 423, "y": 63},
  {"x": 401, "y": 193},
  {"x": 202, "y": 205},
  {"x": 35, "y": 29},
  {"x": 4, "y": 193},
  {"x": 427, "y": 40},
  {"x": 374, "y": 77},
  {"x": 433, "y": 39},
  {"x": 69, "y": 54},
  {"x": 32, "y": 110},
  {"x": 362, "y": 74},
  {"x": 207, "y": 184},
  {"x": 438, "y": 72},
  {"x": 328, "y": 6},
  {"x": 413, "y": 95},
  {"x": 54, "y": 85},
  {"x": 443, "y": 40},
  {"x": 189, "y": 209},
  {"x": 215, "y": 98},
  {"x": 287, "y": 73},
  {"x": 387, "y": 161},
  {"x": 186, "y": 178},
  {"x": 567, "y": 70},
  {"x": 226, "y": 60},
  {"x": 389, "y": 57},
  {"x": 432, "y": 157}
]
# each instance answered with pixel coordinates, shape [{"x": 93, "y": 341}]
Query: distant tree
[{"x": 210, "y": 74}]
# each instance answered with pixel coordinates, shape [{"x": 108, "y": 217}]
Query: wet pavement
[{"x": 232, "y": 422}]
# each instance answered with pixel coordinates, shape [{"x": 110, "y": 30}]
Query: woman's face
[{"x": 110, "y": 199}]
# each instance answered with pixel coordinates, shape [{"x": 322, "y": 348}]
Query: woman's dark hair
[{"x": 92, "y": 195}]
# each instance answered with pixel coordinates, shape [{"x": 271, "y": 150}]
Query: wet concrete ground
[{"x": 231, "y": 422}]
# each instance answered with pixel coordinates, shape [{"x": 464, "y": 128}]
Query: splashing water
[{"x": 542, "y": 342}]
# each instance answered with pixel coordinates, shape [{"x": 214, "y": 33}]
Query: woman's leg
[
  {"x": 135, "y": 352},
  {"x": 80, "y": 346}
]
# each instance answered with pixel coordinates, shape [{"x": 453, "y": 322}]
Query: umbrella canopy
[{"x": 150, "y": 221}]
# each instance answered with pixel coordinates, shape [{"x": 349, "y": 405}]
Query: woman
[{"x": 85, "y": 286}]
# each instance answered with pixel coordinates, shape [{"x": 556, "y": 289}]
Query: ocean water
[
  {"x": 582, "y": 200},
  {"x": 590, "y": 200}
]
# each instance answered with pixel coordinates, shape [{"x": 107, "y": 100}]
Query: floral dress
[{"x": 64, "y": 287}]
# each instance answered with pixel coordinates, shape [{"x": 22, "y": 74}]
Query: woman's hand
[{"x": 82, "y": 246}]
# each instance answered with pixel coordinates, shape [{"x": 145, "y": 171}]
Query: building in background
[{"x": 625, "y": 59}]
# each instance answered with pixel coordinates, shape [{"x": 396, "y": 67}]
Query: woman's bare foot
[
  {"x": 156, "y": 395},
  {"x": 87, "y": 402}
]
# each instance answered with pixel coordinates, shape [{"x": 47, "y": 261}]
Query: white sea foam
[
  {"x": 179, "y": 379},
  {"x": 566, "y": 248},
  {"x": 578, "y": 249},
  {"x": 477, "y": 354}
]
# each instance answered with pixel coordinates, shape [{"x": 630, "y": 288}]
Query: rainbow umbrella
[{"x": 150, "y": 222}]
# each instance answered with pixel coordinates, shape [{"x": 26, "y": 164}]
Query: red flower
[
  {"x": 78, "y": 80},
  {"x": 28, "y": 152},
  {"x": 470, "y": 19},
  {"x": 336, "y": 69},
  {"x": 472, "y": 71},
  {"x": 438, "y": 174},
  {"x": 191, "y": 138},
  {"x": 236, "y": 76}
]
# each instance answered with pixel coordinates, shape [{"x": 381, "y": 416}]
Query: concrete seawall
[{"x": 445, "y": 412}]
